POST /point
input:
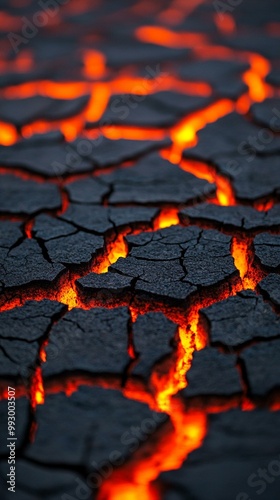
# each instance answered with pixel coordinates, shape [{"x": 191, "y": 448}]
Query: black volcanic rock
[
  {"x": 270, "y": 287},
  {"x": 90, "y": 190},
  {"x": 91, "y": 426},
  {"x": 49, "y": 158},
  {"x": 155, "y": 180},
  {"x": 18, "y": 196},
  {"x": 102, "y": 219},
  {"x": 253, "y": 179},
  {"x": 104, "y": 152},
  {"x": 105, "y": 285},
  {"x": 262, "y": 367},
  {"x": 267, "y": 250},
  {"x": 232, "y": 217},
  {"x": 174, "y": 262},
  {"x": 216, "y": 141},
  {"x": 25, "y": 264},
  {"x": 122, "y": 53},
  {"x": 22, "y": 329},
  {"x": 238, "y": 445},
  {"x": 76, "y": 248},
  {"x": 47, "y": 228},
  {"x": 240, "y": 319},
  {"x": 224, "y": 75},
  {"x": 19, "y": 112},
  {"x": 161, "y": 109},
  {"x": 212, "y": 374},
  {"x": 153, "y": 340},
  {"x": 94, "y": 341},
  {"x": 267, "y": 113}
]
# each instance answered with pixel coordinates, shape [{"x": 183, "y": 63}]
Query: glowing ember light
[
  {"x": 8, "y": 134},
  {"x": 167, "y": 217},
  {"x": 68, "y": 295},
  {"x": 168, "y": 38},
  {"x": 95, "y": 64},
  {"x": 254, "y": 78},
  {"x": 243, "y": 256},
  {"x": 28, "y": 228},
  {"x": 224, "y": 190},
  {"x": 134, "y": 480},
  {"x": 225, "y": 23},
  {"x": 115, "y": 250},
  {"x": 184, "y": 135},
  {"x": 37, "y": 389}
]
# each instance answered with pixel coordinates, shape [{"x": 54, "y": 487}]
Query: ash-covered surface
[{"x": 140, "y": 249}]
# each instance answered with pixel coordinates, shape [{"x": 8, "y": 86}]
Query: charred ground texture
[{"x": 140, "y": 249}]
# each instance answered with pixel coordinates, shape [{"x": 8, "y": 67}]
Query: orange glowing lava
[
  {"x": 184, "y": 134},
  {"x": 115, "y": 249},
  {"x": 224, "y": 190},
  {"x": 167, "y": 217},
  {"x": 243, "y": 257},
  {"x": 95, "y": 64},
  {"x": 168, "y": 38},
  {"x": 254, "y": 78},
  {"x": 8, "y": 134},
  {"x": 37, "y": 389}
]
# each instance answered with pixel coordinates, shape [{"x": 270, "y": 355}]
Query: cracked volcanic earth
[{"x": 140, "y": 249}]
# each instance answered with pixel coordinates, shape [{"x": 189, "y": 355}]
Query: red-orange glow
[
  {"x": 168, "y": 386},
  {"x": 37, "y": 389},
  {"x": 243, "y": 256},
  {"x": 167, "y": 217},
  {"x": 133, "y": 481},
  {"x": 115, "y": 250},
  {"x": 28, "y": 228},
  {"x": 95, "y": 64},
  {"x": 8, "y": 134},
  {"x": 263, "y": 206},
  {"x": 240, "y": 253},
  {"x": 254, "y": 78},
  {"x": 64, "y": 202},
  {"x": 225, "y": 24},
  {"x": 185, "y": 133},
  {"x": 8, "y": 22},
  {"x": 70, "y": 127},
  {"x": 224, "y": 190},
  {"x": 243, "y": 104},
  {"x": 68, "y": 295},
  {"x": 168, "y": 38},
  {"x": 98, "y": 102},
  {"x": 178, "y": 9},
  {"x": 56, "y": 90},
  {"x": 115, "y": 132}
]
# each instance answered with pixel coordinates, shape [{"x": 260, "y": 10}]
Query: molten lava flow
[
  {"x": 116, "y": 132},
  {"x": 28, "y": 228},
  {"x": 224, "y": 190},
  {"x": 8, "y": 134},
  {"x": 114, "y": 250},
  {"x": 254, "y": 78},
  {"x": 178, "y": 9},
  {"x": 95, "y": 64},
  {"x": 167, "y": 217},
  {"x": 133, "y": 481},
  {"x": 37, "y": 388},
  {"x": 184, "y": 134},
  {"x": 225, "y": 23},
  {"x": 264, "y": 206},
  {"x": 98, "y": 102},
  {"x": 243, "y": 256},
  {"x": 168, "y": 38}
]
